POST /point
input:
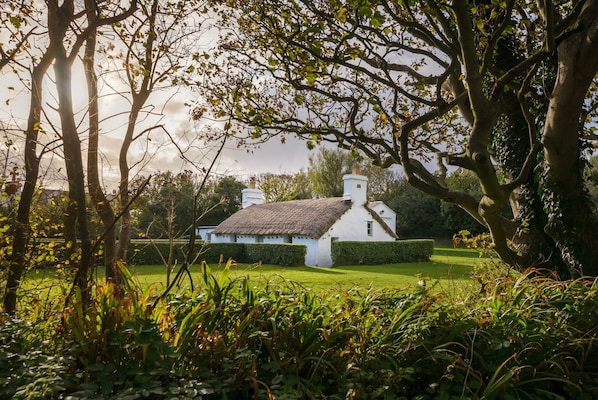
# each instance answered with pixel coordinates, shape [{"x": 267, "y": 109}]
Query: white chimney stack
[
  {"x": 251, "y": 196},
  {"x": 355, "y": 187}
]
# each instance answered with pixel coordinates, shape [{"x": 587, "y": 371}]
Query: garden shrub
[
  {"x": 372, "y": 253},
  {"x": 275, "y": 253},
  {"x": 31, "y": 366},
  {"x": 220, "y": 252},
  {"x": 515, "y": 337},
  {"x": 155, "y": 252},
  {"x": 148, "y": 253}
]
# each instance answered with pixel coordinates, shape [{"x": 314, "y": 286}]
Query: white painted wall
[
  {"x": 311, "y": 256},
  {"x": 274, "y": 239},
  {"x": 205, "y": 233},
  {"x": 247, "y": 239},
  {"x": 324, "y": 251},
  {"x": 352, "y": 226},
  {"x": 222, "y": 238},
  {"x": 386, "y": 213}
]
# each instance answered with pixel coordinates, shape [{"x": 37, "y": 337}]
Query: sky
[
  {"x": 160, "y": 154},
  {"x": 168, "y": 107}
]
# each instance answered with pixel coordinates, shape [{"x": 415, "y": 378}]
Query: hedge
[
  {"x": 276, "y": 253},
  {"x": 148, "y": 253},
  {"x": 373, "y": 253},
  {"x": 268, "y": 253}
]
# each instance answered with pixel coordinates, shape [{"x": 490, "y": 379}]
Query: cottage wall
[
  {"x": 386, "y": 213},
  {"x": 205, "y": 233},
  {"x": 222, "y": 238},
  {"x": 311, "y": 256},
  {"x": 247, "y": 239},
  {"x": 352, "y": 226},
  {"x": 324, "y": 251},
  {"x": 275, "y": 239}
]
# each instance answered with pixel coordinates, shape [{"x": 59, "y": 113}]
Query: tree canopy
[
  {"x": 498, "y": 88},
  {"x": 126, "y": 52}
]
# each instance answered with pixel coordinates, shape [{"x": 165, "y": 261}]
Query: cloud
[{"x": 271, "y": 156}]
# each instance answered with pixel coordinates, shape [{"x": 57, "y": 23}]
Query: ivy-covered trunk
[{"x": 572, "y": 222}]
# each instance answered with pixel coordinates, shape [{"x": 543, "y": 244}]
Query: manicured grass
[{"x": 448, "y": 268}]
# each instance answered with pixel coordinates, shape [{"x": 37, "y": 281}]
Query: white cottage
[{"x": 315, "y": 223}]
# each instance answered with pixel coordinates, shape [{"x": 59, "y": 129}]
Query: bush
[
  {"x": 30, "y": 363},
  {"x": 372, "y": 253},
  {"x": 277, "y": 254},
  {"x": 518, "y": 337},
  {"x": 145, "y": 252},
  {"x": 220, "y": 252}
]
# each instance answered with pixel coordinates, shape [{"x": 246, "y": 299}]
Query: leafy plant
[
  {"x": 115, "y": 343},
  {"x": 519, "y": 336}
]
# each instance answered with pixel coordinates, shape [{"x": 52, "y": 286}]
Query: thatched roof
[{"x": 310, "y": 218}]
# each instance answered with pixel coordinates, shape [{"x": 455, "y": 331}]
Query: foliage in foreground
[{"x": 523, "y": 337}]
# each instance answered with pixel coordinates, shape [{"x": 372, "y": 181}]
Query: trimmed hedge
[
  {"x": 373, "y": 253},
  {"x": 213, "y": 252},
  {"x": 268, "y": 253},
  {"x": 276, "y": 253},
  {"x": 148, "y": 253}
]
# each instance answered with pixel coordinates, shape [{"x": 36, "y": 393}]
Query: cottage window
[{"x": 370, "y": 228}]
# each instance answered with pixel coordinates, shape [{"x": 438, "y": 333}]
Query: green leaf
[
  {"x": 364, "y": 11},
  {"x": 479, "y": 23},
  {"x": 377, "y": 20},
  {"x": 15, "y": 21},
  {"x": 341, "y": 15}
]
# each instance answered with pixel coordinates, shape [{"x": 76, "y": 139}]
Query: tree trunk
[
  {"x": 21, "y": 228},
  {"x": 571, "y": 220},
  {"x": 72, "y": 153},
  {"x": 98, "y": 197},
  {"x": 124, "y": 237},
  {"x": 139, "y": 95}
]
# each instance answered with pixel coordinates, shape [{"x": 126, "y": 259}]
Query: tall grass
[{"x": 509, "y": 337}]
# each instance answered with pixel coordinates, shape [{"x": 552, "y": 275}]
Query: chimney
[
  {"x": 355, "y": 187},
  {"x": 251, "y": 196}
]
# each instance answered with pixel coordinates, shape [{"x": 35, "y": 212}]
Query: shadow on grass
[
  {"x": 457, "y": 252},
  {"x": 445, "y": 262},
  {"x": 430, "y": 269},
  {"x": 455, "y": 262},
  {"x": 279, "y": 268}
]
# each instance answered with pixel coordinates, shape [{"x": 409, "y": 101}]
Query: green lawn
[{"x": 448, "y": 268}]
